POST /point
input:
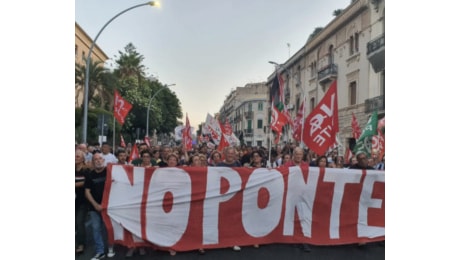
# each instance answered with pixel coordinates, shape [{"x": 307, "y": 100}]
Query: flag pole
[
  {"x": 270, "y": 148},
  {"x": 113, "y": 132},
  {"x": 303, "y": 121},
  {"x": 270, "y": 142}
]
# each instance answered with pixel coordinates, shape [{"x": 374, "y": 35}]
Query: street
[{"x": 371, "y": 251}]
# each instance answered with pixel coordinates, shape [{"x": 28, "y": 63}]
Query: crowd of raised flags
[{"x": 318, "y": 131}]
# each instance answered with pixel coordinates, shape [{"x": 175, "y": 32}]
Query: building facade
[
  {"x": 247, "y": 108},
  {"x": 351, "y": 50},
  {"x": 82, "y": 45}
]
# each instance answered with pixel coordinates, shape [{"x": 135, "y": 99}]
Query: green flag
[{"x": 364, "y": 143}]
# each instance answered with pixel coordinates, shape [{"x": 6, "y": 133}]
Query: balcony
[
  {"x": 376, "y": 53},
  {"x": 376, "y": 103},
  {"x": 249, "y": 114},
  {"x": 327, "y": 74},
  {"x": 237, "y": 118},
  {"x": 248, "y": 132}
]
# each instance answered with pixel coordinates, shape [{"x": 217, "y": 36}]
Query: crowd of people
[{"x": 91, "y": 162}]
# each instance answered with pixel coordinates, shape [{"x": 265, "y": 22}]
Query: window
[
  {"x": 352, "y": 43},
  {"x": 76, "y": 50},
  {"x": 331, "y": 54},
  {"x": 357, "y": 42},
  {"x": 260, "y": 106},
  {"x": 352, "y": 93},
  {"x": 250, "y": 107},
  {"x": 249, "y": 124},
  {"x": 259, "y": 123},
  {"x": 313, "y": 69},
  {"x": 259, "y": 143},
  {"x": 382, "y": 83},
  {"x": 297, "y": 102},
  {"x": 312, "y": 104},
  {"x": 83, "y": 55},
  {"x": 298, "y": 77}
]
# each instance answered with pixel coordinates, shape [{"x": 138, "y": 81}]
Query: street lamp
[
  {"x": 85, "y": 108},
  {"x": 148, "y": 107}
]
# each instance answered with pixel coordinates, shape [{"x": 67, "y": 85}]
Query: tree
[
  {"x": 337, "y": 12},
  {"x": 129, "y": 66},
  {"x": 314, "y": 33},
  {"x": 165, "y": 109},
  {"x": 97, "y": 78}
]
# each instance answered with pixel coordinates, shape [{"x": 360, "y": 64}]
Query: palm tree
[
  {"x": 97, "y": 75},
  {"x": 130, "y": 65}
]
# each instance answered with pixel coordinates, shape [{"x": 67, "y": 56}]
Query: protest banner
[{"x": 186, "y": 208}]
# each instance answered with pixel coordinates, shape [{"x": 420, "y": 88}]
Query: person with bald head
[{"x": 84, "y": 148}]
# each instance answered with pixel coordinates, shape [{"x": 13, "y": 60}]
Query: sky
[{"x": 206, "y": 47}]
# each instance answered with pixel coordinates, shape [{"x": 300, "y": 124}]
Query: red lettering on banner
[{"x": 210, "y": 207}]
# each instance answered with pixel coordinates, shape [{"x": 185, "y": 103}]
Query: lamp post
[
  {"x": 148, "y": 107},
  {"x": 85, "y": 108}
]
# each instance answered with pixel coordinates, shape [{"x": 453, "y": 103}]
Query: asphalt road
[{"x": 372, "y": 251}]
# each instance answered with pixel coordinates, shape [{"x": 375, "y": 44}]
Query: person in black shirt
[
  {"x": 81, "y": 205},
  {"x": 94, "y": 190}
]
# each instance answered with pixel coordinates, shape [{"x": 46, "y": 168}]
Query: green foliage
[
  {"x": 337, "y": 12},
  {"x": 129, "y": 79},
  {"x": 314, "y": 33}
]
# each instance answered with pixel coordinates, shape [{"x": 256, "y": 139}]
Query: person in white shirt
[{"x": 108, "y": 156}]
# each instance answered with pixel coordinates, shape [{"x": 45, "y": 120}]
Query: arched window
[
  {"x": 352, "y": 42},
  {"x": 312, "y": 104},
  {"x": 331, "y": 54},
  {"x": 352, "y": 93}
]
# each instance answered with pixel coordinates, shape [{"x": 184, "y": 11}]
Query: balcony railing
[
  {"x": 237, "y": 118},
  {"x": 375, "y": 103},
  {"x": 376, "y": 53},
  {"x": 376, "y": 44},
  {"x": 327, "y": 74},
  {"x": 248, "y": 132},
  {"x": 249, "y": 114}
]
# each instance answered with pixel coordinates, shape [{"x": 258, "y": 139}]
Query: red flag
[
  {"x": 348, "y": 156},
  {"x": 381, "y": 123},
  {"x": 297, "y": 126},
  {"x": 356, "y": 130},
  {"x": 226, "y": 131},
  {"x": 378, "y": 143},
  {"x": 222, "y": 144},
  {"x": 322, "y": 124},
  {"x": 122, "y": 141},
  {"x": 121, "y": 108},
  {"x": 186, "y": 135},
  {"x": 278, "y": 120},
  {"x": 134, "y": 153},
  {"x": 147, "y": 140},
  {"x": 277, "y": 138}
]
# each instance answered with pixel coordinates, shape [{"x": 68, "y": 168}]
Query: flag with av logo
[{"x": 322, "y": 124}]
